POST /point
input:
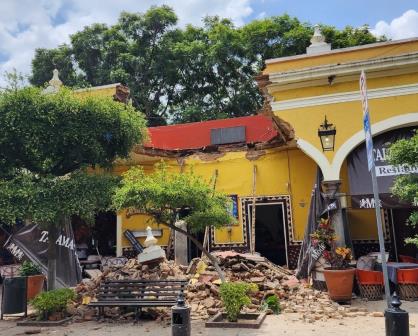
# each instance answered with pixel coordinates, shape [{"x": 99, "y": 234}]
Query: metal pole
[
  {"x": 380, "y": 234},
  {"x": 394, "y": 234}
]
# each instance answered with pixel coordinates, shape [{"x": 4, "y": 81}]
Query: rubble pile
[
  {"x": 295, "y": 297},
  {"x": 202, "y": 293}
]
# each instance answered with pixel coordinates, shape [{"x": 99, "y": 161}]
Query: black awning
[{"x": 361, "y": 189}]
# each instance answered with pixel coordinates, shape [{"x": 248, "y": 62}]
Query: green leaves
[
  {"x": 54, "y": 301},
  {"x": 184, "y": 74},
  {"x": 163, "y": 195},
  {"x": 405, "y": 152},
  {"x": 57, "y": 134},
  {"x": 47, "y": 143},
  {"x": 44, "y": 199},
  {"x": 234, "y": 296}
]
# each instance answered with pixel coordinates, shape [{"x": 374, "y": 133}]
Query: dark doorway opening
[
  {"x": 97, "y": 238},
  {"x": 402, "y": 231},
  {"x": 270, "y": 232}
]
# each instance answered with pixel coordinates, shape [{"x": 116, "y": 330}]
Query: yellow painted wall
[
  {"x": 101, "y": 92},
  {"x": 347, "y": 117},
  {"x": 343, "y": 56},
  {"x": 235, "y": 177}
]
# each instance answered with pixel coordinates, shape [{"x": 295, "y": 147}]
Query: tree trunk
[
  {"x": 201, "y": 248},
  {"x": 52, "y": 255}
]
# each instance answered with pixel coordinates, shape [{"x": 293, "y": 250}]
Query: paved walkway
[{"x": 286, "y": 324}]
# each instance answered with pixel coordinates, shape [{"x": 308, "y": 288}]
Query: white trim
[
  {"x": 345, "y": 149},
  {"x": 316, "y": 155},
  {"x": 341, "y": 50},
  {"x": 336, "y": 98},
  {"x": 100, "y": 87},
  {"x": 343, "y": 72}
]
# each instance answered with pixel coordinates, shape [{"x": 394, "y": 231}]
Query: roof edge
[{"x": 341, "y": 50}]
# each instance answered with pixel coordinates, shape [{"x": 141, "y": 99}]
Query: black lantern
[{"x": 326, "y": 133}]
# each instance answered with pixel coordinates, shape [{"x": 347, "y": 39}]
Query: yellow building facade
[{"x": 279, "y": 179}]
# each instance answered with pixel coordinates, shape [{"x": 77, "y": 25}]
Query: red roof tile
[{"x": 197, "y": 135}]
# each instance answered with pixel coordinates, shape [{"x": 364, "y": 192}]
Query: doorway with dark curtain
[{"x": 270, "y": 232}]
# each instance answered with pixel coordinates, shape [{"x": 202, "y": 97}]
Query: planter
[
  {"x": 245, "y": 320},
  {"x": 340, "y": 283},
  {"x": 35, "y": 285}
]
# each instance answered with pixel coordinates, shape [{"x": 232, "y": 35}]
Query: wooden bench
[{"x": 138, "y": 294}]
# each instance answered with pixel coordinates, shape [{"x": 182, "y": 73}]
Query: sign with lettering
[
  {"x": 361, "y": 189},
  {"x": 31, "y": 242}
]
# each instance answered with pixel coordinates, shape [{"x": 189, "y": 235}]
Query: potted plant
[
  {"x": 35, "y": 281},
  {"x": 234, "y": 296},
  {"x": 339, "y": 276},
  {"x": 52, "y": 305}
]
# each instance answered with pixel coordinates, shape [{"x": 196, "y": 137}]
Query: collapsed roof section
[{"x": 217, "y": 136}]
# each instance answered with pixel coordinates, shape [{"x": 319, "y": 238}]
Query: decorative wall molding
[
  {"x": 337, "y": 98},
  {"x": 342, "y": 72}
]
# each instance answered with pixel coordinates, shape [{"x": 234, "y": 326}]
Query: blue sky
[
  {"x": 338, "y": 13},
  {"x": 27, "y": 24}
]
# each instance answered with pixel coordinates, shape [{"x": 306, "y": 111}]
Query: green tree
[
  {"x": 405, "y": 152},
  {"x": 62, "y": 58},
  {"x": 164, "y": 195},
  {"x": 184, "y": 74},
  {"x": 47, "y": 144},
  {"x": 14, "y": 80}
]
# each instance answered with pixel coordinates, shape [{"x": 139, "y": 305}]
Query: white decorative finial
[
  {"x": 317, "y": 37},
  {"x": 318, "y": 43},
  {"x": 150, "y": 240},
  {"x": 54, "y": 84}
]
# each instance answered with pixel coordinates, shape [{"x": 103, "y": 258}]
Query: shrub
[
  {"x": 272, "y": 302},
  {"x": 234, "y": 296},
  {"x": 54, "y": 301},
  {"x": 28, "y": 268}
]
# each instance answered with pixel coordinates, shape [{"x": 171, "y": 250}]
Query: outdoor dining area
[{"x": 403, "y": 277}]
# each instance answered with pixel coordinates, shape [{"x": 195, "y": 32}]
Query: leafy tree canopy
[
  {"x": 56, "y": 134},
  {"x": 47, "y": 143},
  {"x": 405, "y": 152},
  {"x": 164, "y": 195},
  {"x": 183, "y": 74}
]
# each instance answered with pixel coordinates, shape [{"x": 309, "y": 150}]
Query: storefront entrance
[{"x": 270, "y": 228}]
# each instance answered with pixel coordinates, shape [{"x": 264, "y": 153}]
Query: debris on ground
[{"x": 202, "y": 292}]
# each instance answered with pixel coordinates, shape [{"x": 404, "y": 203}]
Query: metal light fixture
[{"x": 326, "y": 133}]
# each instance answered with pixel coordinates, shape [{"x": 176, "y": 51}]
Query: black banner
[
  {"x": 361, "y": 189},
  {"x": 31, "y": 242}
]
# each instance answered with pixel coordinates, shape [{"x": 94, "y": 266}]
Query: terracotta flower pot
[
  {"x": 35, "y": 285},
  {"x": 340, "y": 283}
]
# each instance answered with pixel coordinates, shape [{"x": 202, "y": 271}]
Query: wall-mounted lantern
[{"x": 326, "y": 133}]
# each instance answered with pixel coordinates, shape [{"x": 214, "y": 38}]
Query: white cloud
[
  {"x": 404, "y": 26},
  {"x": 26, "y": 24}
]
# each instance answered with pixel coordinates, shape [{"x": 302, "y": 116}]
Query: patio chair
[
  {"x": 370, "y": 284},
  {"x": 408, "y": 259},
  {"x": 408, "y": 284}
]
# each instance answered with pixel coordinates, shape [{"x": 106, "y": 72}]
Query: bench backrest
[{"x": 141, "y": 290}]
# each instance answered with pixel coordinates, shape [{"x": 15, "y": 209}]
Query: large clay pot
[
  {"x": 340, "y": 283},
  {"x": 35, "y": 285}
]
